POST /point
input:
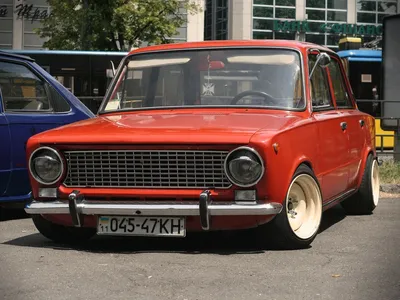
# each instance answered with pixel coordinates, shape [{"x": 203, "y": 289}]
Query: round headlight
[
  {"x": 244, "y": 167},
  {"x": 45, "y": 165}
]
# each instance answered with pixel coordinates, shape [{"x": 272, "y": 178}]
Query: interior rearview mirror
[
  {"x": 211, "y": 65},
  {"x": 323, "y": 60}
]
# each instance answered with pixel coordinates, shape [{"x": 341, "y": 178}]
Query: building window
[
  {"x": 327, "y": 12},
  {"x": 208, "y": 21},
  {"x": 264, "y": 14},
  {"x": 6, "y": 24},
  {"x": 181, "y": 35},
  {"x": 221, "y": 22},
  {"x": 373, "y": 11},
  {"x": 216, "y": 20}
]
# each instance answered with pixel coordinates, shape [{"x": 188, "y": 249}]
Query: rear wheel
[
  {"x": 298, "y": 223},
  {"x": 62, "y": 234},
  {"x": 367, "y": 197}
]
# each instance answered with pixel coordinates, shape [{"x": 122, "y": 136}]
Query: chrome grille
[{"x": 146, "y": 169}]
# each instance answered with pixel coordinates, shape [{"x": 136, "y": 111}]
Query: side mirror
[
  {"x": 113, "y": 71},
  {"x": 323, "y": 60}
]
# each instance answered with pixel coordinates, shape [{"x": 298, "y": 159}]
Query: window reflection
[
  {"x": 325, "y": 12},
  {"x": 373, "y": 11},
  {"x": 216, "y": 29},
  {"x": 264, "y": 14}
]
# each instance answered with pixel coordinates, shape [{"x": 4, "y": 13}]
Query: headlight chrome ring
[
  {"x": 244, "y": 155},
  {"x": 51, "y": 156}
]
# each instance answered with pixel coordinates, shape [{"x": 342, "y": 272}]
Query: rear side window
[
  {"x": 338, "y": 84},
  {"x": 57, "y": 100},
  {"x": 22, "y": 90}
]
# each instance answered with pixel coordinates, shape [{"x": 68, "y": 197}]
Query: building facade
[
  {"x": 19, "y": 18},
  {"x": 322, "y": 22}
]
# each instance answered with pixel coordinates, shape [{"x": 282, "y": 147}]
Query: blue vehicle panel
[
  {"x": 31, "y": 101},
  {"x": 361, "y": 55},
  {"x": 5, "y": 153}
]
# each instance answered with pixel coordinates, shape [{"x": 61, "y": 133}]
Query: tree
[{"x": 114, "y": 25}]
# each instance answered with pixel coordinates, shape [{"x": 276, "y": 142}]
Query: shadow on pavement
[
  {"x": 331, "y": 217},
  {"x": 7, "y": 214},
  {"x": 222, "y": 243}
]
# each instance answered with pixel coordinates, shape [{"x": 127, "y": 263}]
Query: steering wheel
[{"x": 267, "y": 97}]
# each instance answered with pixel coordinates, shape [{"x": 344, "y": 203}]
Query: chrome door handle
[
  {"x": 343, "y": 125},
  {"x": 362, "y": 123}
]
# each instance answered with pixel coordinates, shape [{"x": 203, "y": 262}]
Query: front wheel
[
  {"x": 367, "y": 197},
  {"x": 298, "y": 223},
  {"x": 62, "y": 234}
]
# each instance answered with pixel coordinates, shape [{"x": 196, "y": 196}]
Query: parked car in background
[
  {"x": 31, "y": 101},
  {"x": 213, "y": 135}
]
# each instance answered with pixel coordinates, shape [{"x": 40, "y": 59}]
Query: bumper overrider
[{"x": 78, "y": 207}]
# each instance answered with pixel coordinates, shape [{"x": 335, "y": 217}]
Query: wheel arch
[
  {"x": 368, "y": 151},
  {"x": 307, "y": 163},
  {"x": 302, "y": 160}
]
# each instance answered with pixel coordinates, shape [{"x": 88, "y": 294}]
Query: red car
[{"x": 213, "y": 135}]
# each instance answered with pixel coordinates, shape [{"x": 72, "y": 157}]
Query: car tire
[
  {"x": 297, "y": 225},
  {"x": 62, "y": 234},
  {"x": 366, "y": 199}
]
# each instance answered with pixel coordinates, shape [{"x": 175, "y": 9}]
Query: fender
[{"x": 367, "y": 151}]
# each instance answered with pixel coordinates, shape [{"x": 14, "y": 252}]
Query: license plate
[{"x": 144, "y": 226}]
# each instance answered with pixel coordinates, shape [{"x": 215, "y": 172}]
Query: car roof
[
  {"x": 68, "y": 52},
  {"x": 232, "y": 44},
  {"x": 17, "y": 56}
]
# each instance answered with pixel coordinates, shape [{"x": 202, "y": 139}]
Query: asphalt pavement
[{"x": 353, "y": 257}]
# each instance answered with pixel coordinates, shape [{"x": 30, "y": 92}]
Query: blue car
[{"x": 31, "y": 101}]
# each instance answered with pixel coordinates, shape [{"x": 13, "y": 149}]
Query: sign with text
[
  {"x": 3, "y": 11},
  {"x": 337, "y": 28},
  {"x": 29, "y": 12}
]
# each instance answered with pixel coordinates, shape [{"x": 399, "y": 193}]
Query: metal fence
[{"x": 385, "y": 139}]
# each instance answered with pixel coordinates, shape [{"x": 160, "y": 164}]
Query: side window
[
  {"x": 341, "y": 95},
  {"x": 320, "y": 94},
  {"x": 58, "y": 101},
  {"x": 21, "y": 89}
]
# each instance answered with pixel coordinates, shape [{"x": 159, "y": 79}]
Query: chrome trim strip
[
  {"x": 53, "y": 207},
  {"x": 152, "y": 208},
  {"x": 204, "y": 201},
  {"x": 113, "y": 83},
  {"x": 340, "y": 197}
]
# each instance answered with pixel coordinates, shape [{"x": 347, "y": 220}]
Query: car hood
[{"x": 171, "y": 127}]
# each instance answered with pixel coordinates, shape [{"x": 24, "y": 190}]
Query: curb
[{"x": 390, "y": 188}]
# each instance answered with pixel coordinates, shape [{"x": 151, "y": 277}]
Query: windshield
[{"x": 230, "y": 77}]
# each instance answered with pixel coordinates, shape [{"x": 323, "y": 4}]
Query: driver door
[
  {"x": 332, "y": 141},
  {"x": 28, "y": 110}
]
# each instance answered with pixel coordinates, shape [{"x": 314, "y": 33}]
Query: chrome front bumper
[{"x": 77, "y": 207}]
